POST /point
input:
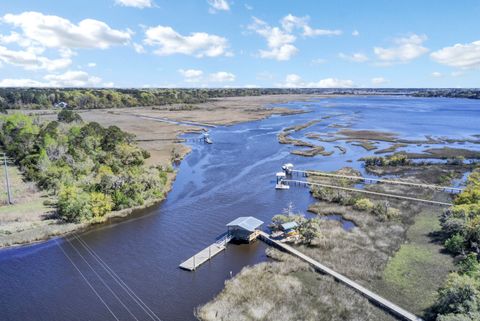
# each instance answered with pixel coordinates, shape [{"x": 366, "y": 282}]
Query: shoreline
[{"x": 44, "y": 232}]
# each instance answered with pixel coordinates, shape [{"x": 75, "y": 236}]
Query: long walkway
[
  {"x": 367, "y": 192},
  {"x": 391, "y": 307},
  {"x": 379, "y": 180}
]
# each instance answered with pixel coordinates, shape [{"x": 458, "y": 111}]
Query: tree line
[
  {"x": 89, "y": 169},
  {"x": 459, "y": 297}
]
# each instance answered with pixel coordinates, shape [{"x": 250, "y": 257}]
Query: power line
[
  {"x": 86, "y": 280},
  {"x": 103, "y": 281},
  {"x": 119, "y": 280}
]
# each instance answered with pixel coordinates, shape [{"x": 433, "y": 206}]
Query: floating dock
[{"x": 206, "y": 254}]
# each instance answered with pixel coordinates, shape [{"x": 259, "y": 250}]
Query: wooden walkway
[
  {"x": 206, "y": 254},
  {"x": 378, "y": 180},
  {"x": 366, "y": 192},
  {"x": 389, "y": 306}
]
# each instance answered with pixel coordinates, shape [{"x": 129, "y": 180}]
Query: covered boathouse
[{"x": 244, "y": 229}]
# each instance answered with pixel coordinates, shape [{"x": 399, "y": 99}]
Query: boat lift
[{"x": 206, "y": 138}]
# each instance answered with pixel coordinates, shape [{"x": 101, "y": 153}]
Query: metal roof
[
  {"x": 289, "y": 225},
  {"x": 248, "y": 223}
]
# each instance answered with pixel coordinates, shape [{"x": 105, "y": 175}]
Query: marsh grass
[{"x": 287, "y": 290}]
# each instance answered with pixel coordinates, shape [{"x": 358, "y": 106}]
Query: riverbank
[{"x": 30, "y": 220}]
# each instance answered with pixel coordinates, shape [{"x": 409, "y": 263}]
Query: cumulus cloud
[
  {"x": 21, "y": 82},
  {"x": 290, "y": 22},
  {"x": 222, "y": 76},
  {"x": 355, "y": 33},
  {"x": 31, "y": 59},
  {"x": 280, "y": 39},
  {"x": 295, "y": 81},
  {"x": 91, "y": 64},
  {"x": 71, "y": 78},
  {"x": 74, "y": 78},
  {"x": 196, "y": 76},
  {"x": 198, "y": 44},
  {"x": 138, "y": 48},
  {"x": 218, "y": 5},
  {"x": 56, "y": 32},
  {"x": 464, "y": 56},
  {"x": 191, "y": 75},
  {"x": 404, "y": 50},
  {"x": 379, "y": 81},
  {"x": 135, "y": 3},
  {"x": 437, "y": 74},
  {"x": 355, "y": 57}
]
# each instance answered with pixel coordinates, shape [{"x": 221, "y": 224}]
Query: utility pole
[{"x": 7, "y": 182}]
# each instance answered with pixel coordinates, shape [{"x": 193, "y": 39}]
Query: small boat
[{"x": 208, "y": 140}]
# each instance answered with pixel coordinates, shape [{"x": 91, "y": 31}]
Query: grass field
[{"x": 419, "y": 267}]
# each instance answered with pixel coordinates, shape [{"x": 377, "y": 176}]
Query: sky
[{"x": 236, "y": 43}]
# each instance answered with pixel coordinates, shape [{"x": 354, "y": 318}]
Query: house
[
  {"x": 244, "y": 229},
  {"x": 61, "y": 105}
]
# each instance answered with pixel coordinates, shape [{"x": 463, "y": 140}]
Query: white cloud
[
  {"x": 31, "y": 59},
  {"x": 218, "y": 5},
  {"x": 91, "y": 64},
  {"x": 248, "y": 7},
  {"x": 135, "y": 3},
  {"x": 70, "y": 78},
  {"x": 290, "y": 22},
  {"x": 379, "y": 81},
  {"x": 56, "y": 32},
  {"x": 465, "y": 56},
  {"x": 355, "y": 57},
  {"x": 295, "y": 81},
  {"x": 8, "y": 82},
  {"x": 437, "y": 74},
  {"x": 198, "y": 44},
  {"x": 355, "y": 33},
  {"x": 75, "y": 78},
  {"x": 191, "y": 75},
  {"x": 222, "y": 76},
  {"x": 279, "y": 41},
  {"x": 284, "y": 52},
  {"x": 405, "y": 49}
]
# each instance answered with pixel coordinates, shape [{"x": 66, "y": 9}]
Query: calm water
[{"x": 215, "y": 184}]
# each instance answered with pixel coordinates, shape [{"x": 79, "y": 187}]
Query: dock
[
  {"x": 376, "y": 299},
  {"x": 206, "y": 254}
]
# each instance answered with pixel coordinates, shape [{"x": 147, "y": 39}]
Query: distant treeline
[
  {"x": 449, "y": 93},
  {"x": 89, "y": 98}
]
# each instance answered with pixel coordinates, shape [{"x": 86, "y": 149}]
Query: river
[{"x": 216, "y": 183}]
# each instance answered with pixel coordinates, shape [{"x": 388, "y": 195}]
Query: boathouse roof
[
  {"x": 289, "y": 225},
  {"x": 248, "y": 223}
]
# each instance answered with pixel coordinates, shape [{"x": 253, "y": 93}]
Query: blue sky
[{"x": 235, "y": 43}]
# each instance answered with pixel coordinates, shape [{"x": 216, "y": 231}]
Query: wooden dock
[
  {"x": 206, "y": 254},
  {"x": 380, "y": 180},
  {"x": 308, "y": 184},
  {"x": 376, "y": 299}
]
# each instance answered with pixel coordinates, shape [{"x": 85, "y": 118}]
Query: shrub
[
  {"x": 68, "y": 116},
  {"x": 73, "y": 204},
  {"x": 455, "y": 244},
  {"x": 100, "y": 204},
  {"x": 363, "y": 204}
]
